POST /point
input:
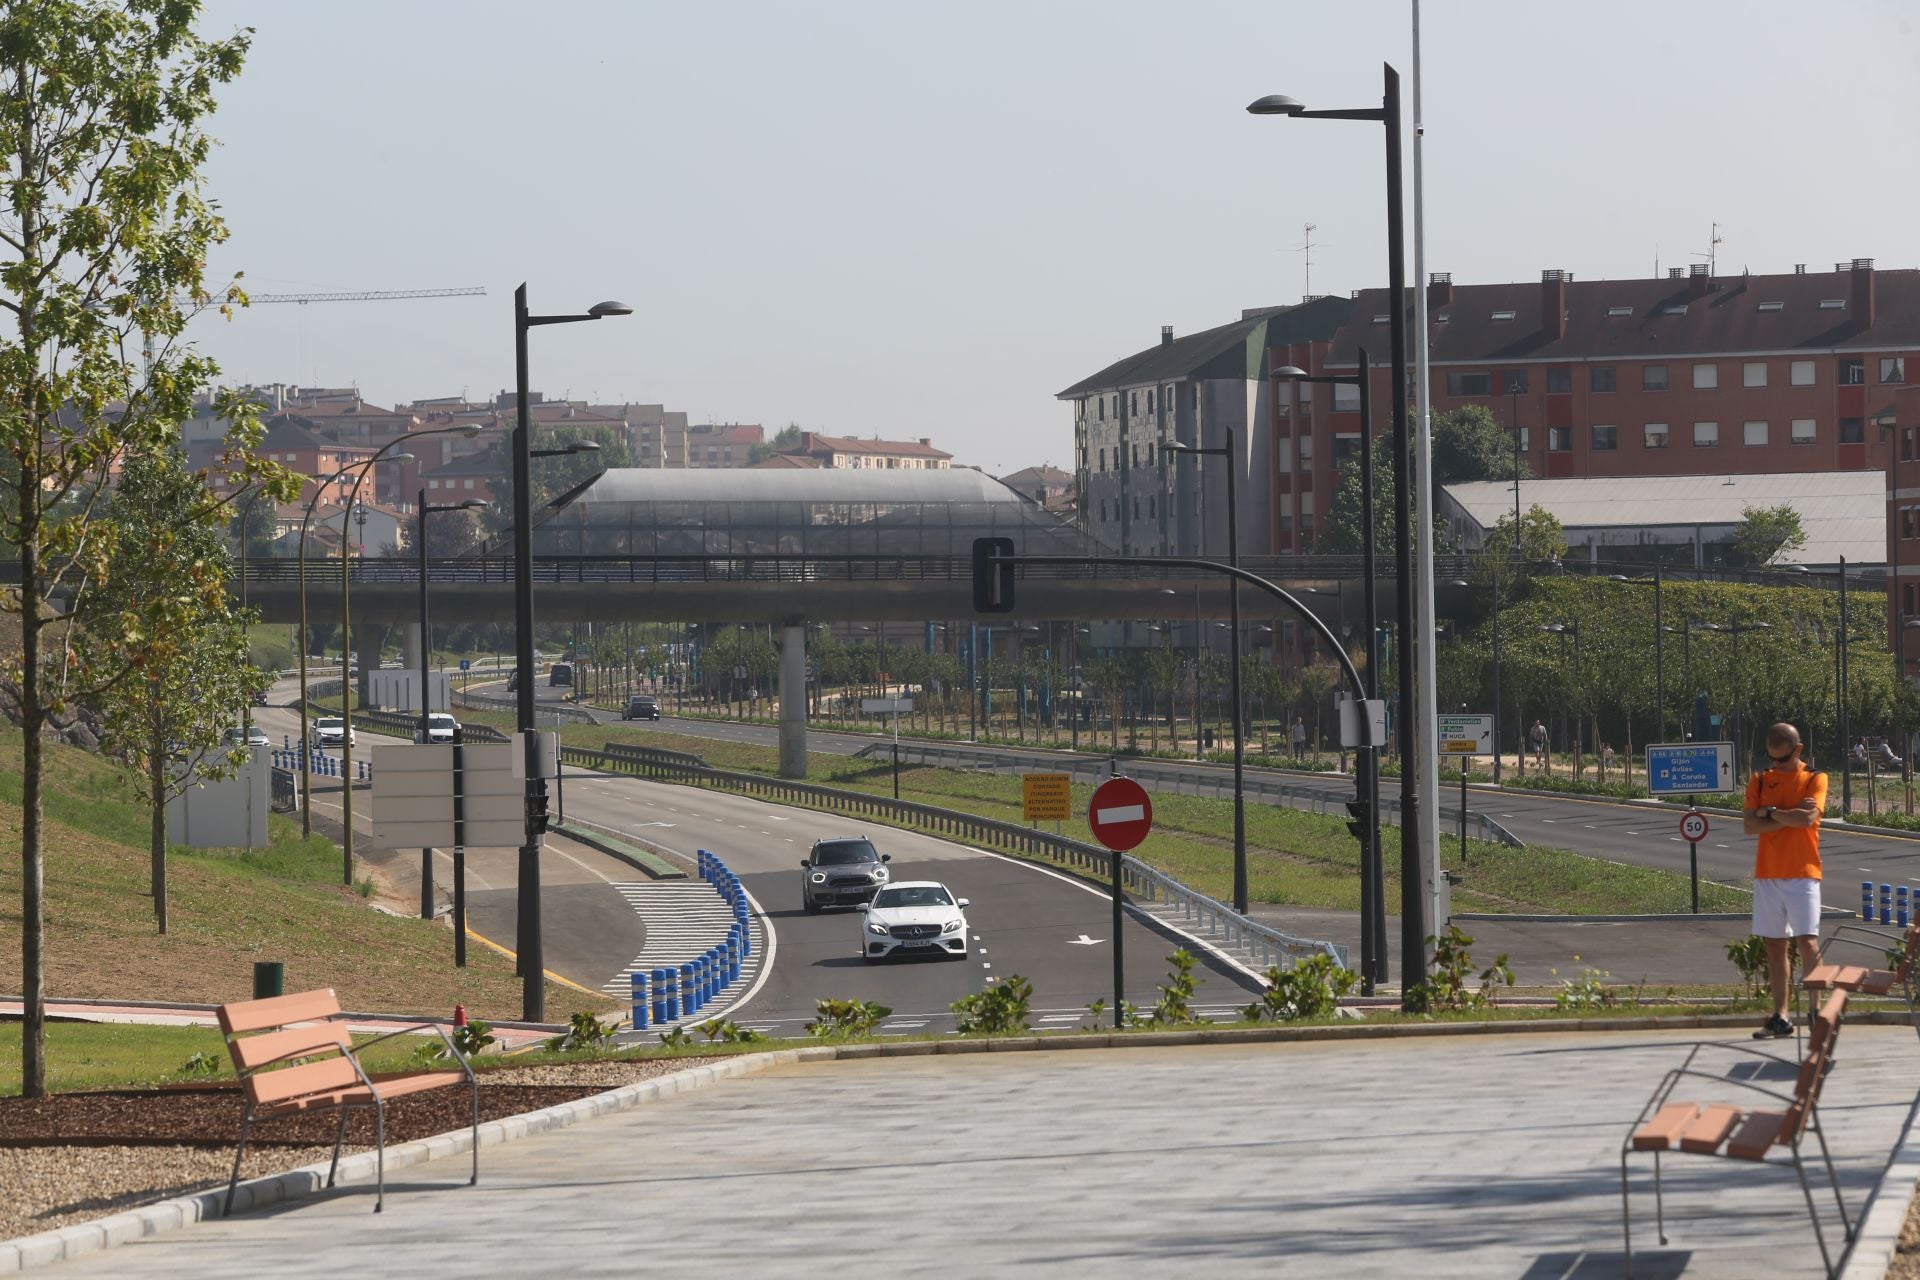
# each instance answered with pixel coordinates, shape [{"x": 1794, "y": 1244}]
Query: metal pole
[
  {"x": 306, "y": 763},
  {"x": 1119, "y": 974},
  {"x": 1199, "y": 734},
  {"x": 527, "y": 941},
  {"x": 1232, "y": 460},
  {"x": 1367, "y": 759},
  {"x": 1413, "y": 923},
  {"x": 420, "y": 540},
  {"x": 346, "y": 682},
  {"x": 1495, "y": 568},
  {"x": 459, "y": 856},
  {"x": 1846, "y": 730},
  {"x": 1659, "y": 668}
]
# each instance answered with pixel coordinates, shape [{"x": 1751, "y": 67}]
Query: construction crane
[{"x": 366, "y": 295}]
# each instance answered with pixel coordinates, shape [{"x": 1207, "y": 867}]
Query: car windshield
[
  {"x": 839, "y": 853},
  {"x": 924, "y": 895},
  {"x": 327, "y": 724},
  {"x": 439, "y": 719}
]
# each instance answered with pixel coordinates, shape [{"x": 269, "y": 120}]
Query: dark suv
[
  {"x": 641, "y": 706},
  {"x": 843, "y": 871}
]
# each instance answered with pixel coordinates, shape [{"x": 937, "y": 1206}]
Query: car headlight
[
  {"x": 819, "y": 877},
  {"x": 877, "y": 928},
  {"x": 878, "y": 873},
  {"x": 954, "y": 926}
]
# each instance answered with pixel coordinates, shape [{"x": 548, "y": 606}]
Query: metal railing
[
  {"x": 1268, "y": 945},
  {"x": 1186, "y": 780},
  {"x": 549, "y": 712}
]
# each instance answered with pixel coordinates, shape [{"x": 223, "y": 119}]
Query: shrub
[
  {"x": 1174, "y": 1007},
  {"x": 846, "y": 1017},
  {"x": 472, "y": 1040},
  {"x": 728, "y": 1032},
  {"x": 1312, "y": 988},
  {"x": 584, "y": 1032},
  {"x": 1584, "y": 993},
  {"x": 1445, "y": 989},
  {"x": 999, "y": 1010},
  {"x": 1749, "y": 956}
]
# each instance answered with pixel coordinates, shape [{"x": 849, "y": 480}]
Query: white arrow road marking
[
  {"x": 656, "y": 824},
  {"x": 1083, "y": 941},
  {"x": 1122, "y": 813}
]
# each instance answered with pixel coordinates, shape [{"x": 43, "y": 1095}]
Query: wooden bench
[
  {"x": 1736, "y": 1132},
  {"x": 1863, "y": 979},
  {"x": 294, "y": 1056}
]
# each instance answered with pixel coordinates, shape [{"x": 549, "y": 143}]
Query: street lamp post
[
  {"x": 1563, "y": 630},
  {"x": 527, "y": 940},
  {"x": 1226, "y": 453},
  {"x": 300, "y": 565},
  {"x": 422, "y": 511},
  {"x": 1413, "y": 923}
]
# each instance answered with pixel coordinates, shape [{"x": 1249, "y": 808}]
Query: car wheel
[{"x": 813, "y": 908}]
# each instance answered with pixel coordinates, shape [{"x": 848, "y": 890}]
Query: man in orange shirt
[{"x": 1783, "y": 808}]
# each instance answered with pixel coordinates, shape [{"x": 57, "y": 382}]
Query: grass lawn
[
  {"x": 1293, "y": 858},
  {"x": 114, "y": 1055}
]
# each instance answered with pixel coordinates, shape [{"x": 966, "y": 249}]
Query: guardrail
[
  {"x": 406, "y": 724},
  {"x": 1191, "y": 781},
  {"x": 286, "y": 789},
  {"x": 551, "y": 711},
  {"x": 1268, "y": 945}
]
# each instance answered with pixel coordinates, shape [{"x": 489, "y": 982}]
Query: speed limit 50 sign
[{"x": 1693, "y": 827}]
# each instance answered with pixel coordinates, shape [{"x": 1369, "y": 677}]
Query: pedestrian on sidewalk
[
  {"x": 1784, "y": 805},
  {"x": 1299, "y": 738},
  {"x": 1537, "y": 736}
]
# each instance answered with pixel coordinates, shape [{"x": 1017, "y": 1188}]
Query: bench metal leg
[
  {"x": 1626, "y": 1216},
  {"x": 1659, "y": 1201},
  {"x": 1833, "y": 1179},
  {"x": 246, "y": 1124},
  {"x": 474, "y": 1086},
  {"x": 380, "y": 1155},
  {"x": 1819, "y": 1236},
  {"x": 339, "y": 1138}
]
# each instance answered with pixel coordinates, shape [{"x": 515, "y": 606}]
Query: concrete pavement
[{"x": 1476, "y": 1155}]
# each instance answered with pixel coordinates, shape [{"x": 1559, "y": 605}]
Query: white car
[
  {"x": 440, "y": 726},
  {"x": 915, "y": 916},
  {"x": 252, "y": 736},
  {"x": 331, "y": 731}
]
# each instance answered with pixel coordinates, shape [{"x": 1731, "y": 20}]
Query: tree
[
  {"x": 1344, "y": 531},
  {"x": 253, "y": 525},
  {"x": 1542, "y": 540},
  {"x": 553, "y": 476},
  {"x": 786, "y": 438},
  {"x": 167, "y": 722},
  {"x": 105, "y": 230},
  {"x": 1766, "y": 533},
  {"x": 449, "y": 534},
  {"x": 1469, "y": 445}
]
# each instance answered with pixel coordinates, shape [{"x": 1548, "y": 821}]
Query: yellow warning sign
[{"x": 1046, "y": 797}]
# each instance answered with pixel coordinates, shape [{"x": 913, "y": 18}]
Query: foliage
[
  {"x": 1749, "y": 956},
  {"x": 200, "y": 1064},
  {"x": 728, "y": 1032},
  {"x": 1542, "y": 541},
  {"x": 1312, "y": 988},
  {"x": 1445, "y": 989},
  {"x": 104, "y": 235},
  {"x": 552, "y": 476},
  {"x": 472, "y": 1040},
  {"x": 584, "y": 1033},
  {"x": 1344, "y": 531},
  {"x": 1175, "y": 1005},
  {"x": 1095, "y": 1010},
  {"x": 1469, "y": 445},
  {"x": 1764, "y": 534},
  {"x": 786, "y": 438},
  {"x": 1585, "y": 993},
  {"x": 167, "y": 722},
  {"x": 675, "y": 1038},
  {"x": 846, "y": 1017},
  {"x": 999, "y": 1010}
]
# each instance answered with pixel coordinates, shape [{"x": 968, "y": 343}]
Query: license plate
[{"x": 917, "y": 942}]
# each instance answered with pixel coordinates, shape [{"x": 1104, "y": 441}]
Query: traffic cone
[{"x": 459, "y": 1015}]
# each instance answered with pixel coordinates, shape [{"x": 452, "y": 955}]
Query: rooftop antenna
[
  {"x": 1714, "y": 241},
  {"x": 1306, "y": 247}
]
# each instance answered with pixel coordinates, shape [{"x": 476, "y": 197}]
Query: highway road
[{"x": 1049, "y": 927}]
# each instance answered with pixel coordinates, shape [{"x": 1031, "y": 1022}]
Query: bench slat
[
  {"x": 1658, "y": 1133},
  {"x": 1705, "y": 1134},
  {"x": 1756, "y": 1135},
  {"x": 387, "y": 1089},
  {"x": 278, "y": 1011},
  {"x": 311, "y": 1077},
  {"x": 250, "y": 1052}
]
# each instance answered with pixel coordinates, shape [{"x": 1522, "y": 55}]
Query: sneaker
[{"x": 1774, "y": 1028}]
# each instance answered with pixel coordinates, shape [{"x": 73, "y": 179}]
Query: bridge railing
[
  {"x": 1269, "y": 946},
  {"x": 545, "y": 712}
]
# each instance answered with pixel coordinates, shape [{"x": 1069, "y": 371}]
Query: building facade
[{"x": 846, "y": 453}]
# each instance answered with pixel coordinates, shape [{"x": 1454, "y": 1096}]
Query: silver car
[{"x": 843, "y": 871}]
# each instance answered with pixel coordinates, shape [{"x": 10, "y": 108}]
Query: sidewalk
[{"x": 1477, "y": 1155}]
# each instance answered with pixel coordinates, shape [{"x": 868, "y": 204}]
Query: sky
[{"x": 906, "y": 220}]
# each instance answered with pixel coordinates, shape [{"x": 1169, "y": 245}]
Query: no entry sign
[
  {"x": 1120, "y": 814},
  {"x": 1693, "y": 826}
]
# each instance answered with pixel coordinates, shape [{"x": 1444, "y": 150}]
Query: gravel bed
[{"x": 127, "y": 1148}]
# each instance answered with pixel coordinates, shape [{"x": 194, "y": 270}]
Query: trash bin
[{"x": 269, "y": 979}]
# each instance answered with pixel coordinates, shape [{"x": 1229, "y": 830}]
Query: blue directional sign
[
  {"x": 466, "y": 664},
  {"x": 1689, "y": 768}
]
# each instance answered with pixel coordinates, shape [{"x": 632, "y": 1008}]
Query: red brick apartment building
[{"x": 1684, "y": 374}]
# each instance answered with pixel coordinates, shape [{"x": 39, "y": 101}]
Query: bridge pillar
[
  {"x": 366, "y": 648},
  {"x": 793, "y": 702},
  {"x": 410, "y": 645}
]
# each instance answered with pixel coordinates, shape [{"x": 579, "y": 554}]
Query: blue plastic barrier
[
  {"x": 689, "y": 998},
  {"x": 1900, "y": 905},
  {"x": 659, "y": 978},
  {"x": 1886, "y": 904},
  {"x": 672, "y": 987},
  {"x": 642, "y": 1000},
  {"x": 1866, "y": 901}
]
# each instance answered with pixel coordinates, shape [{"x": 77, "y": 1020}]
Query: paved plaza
[{"x": 1471, "y": 1155}]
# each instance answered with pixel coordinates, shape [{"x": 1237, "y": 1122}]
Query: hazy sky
[{"x": 924, "y": 219}]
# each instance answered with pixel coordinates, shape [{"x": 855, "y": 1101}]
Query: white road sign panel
[{"x": 1465, "y": 735}]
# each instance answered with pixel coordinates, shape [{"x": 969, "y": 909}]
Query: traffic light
[
  {"x": 537, "y": 814},
  {"x": 992, "y": 577},
  {"x": 1358, "y": 826}
]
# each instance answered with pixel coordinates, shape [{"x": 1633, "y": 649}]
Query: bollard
[
  {"x": 1866, "y": 901},
  {"x": 689, "y": 1004},
  {"x": 659, "y": 982},
  {"x": 746, "y": 936},
  {"x": 709, "y": 977},
  {"x": 269, "y": 979},
  {"x": 1900, "y": 905},
  {"x": 733, "y": 955},
  {"x": 1886, "y": 904},
  {"x": 672, "y": 988},
  {"x": 642, "y": 1000}
]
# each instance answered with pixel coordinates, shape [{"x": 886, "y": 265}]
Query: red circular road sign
[
  {"x": 1693, "y": 826},
  {"x": 1120, "y": 813}
]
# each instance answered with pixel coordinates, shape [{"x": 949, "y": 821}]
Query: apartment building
[
  {"x": 851, "y": 453},
  {"x": 296, "y": 442}
]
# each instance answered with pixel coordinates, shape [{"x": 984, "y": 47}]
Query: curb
[
  {"x": 1876, "y": 1233},
  {"x": 651, "y": 865}
]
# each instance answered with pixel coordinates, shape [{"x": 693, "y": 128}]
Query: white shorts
[{"x": 1786, "y": 908}]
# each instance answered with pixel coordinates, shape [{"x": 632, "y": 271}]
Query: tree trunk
[
  {"x": 33, "y": 1038},
  {"x": 157, "y": 833}
]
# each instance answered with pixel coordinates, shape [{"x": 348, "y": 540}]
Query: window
[
  {"x": 1526, "y": 439},
  {"x": 1286, "y": 511},
  {"x": 1149, "y": 447},
  {"x": 1653, "y": 377},
  {"x": 1469, "y": 384},
  {"x": 1133, "y": 452},
  {"x": 1893, "y": 368},
  {"x": 1346, "y": 398},
  {"x": 1602, "y": 377},
  {"x": 1286, "y": 453},
  {"x": 1906, "y": 598},
  {"x": 1674, "y": 309},
  {"x": 1906, "y": 528},
  {"x": 1803, "y": 431},
  {"x": 1306, "y": 453},
  {"x": 1345, "y": 445},
  {"x": 1853, "y": 430},
  {"x": 1706, "y": 435},
  {"x": 1559, "y": 381},
  {"x": 1103, "y": 511},
  {"x": 1853, "y": 371},
  {"x": 1753, "y": 373},
  {"x": 1513, "y": 381},
  {"x": 1382, "y": 318},
  {"x": 1559, "y": 439},
  {"x": 1133, "y": 402},
  {"x": 1906, "y": 444},
  {"x": 1754, "y": 433},
  {"x": 1605, "y": 439},
  {"x": 467, "y": 485},
  {"x": 1619, "y": 311},
  {"x": 1303, "y": 395},
  {"x": 1773, "y": 306},
  {"x": 1103, "y": 459},
  {"x": 1149, "y": 399},
  {"x": 1833, "y": 304},
  {"x": 1706, "y": 377},
  {"x": 1800, "y": 373},
  {"x": 1136, "y": 508},
  {"x": 1151, "y": 512},
  {"x": 1503, "y": 316},
  {"x": 1306, "y": 510},
  {"x": 1103, "y": 408},
  {"x": 1656, "y": 436}
]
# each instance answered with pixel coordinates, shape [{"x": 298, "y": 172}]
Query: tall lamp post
[
  {"x": 1659, "y": 667},
  {"x": 421, "y": 512},
  {"x": 1563, "y": 630},
  {"x": 1366, "y": 758},
  {"x": 1736, "y": 630},
  {"x": 300, "y": 565},
  {"x": 533, "y": 995},
  {"x": 1413, "y": 913},
  {"x": 1226, "y": 454}
]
